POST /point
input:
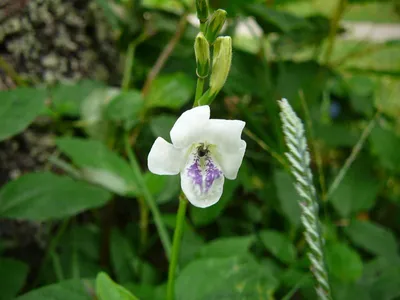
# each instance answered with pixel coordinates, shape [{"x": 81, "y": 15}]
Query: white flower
[{"x": 204, "y": 151}]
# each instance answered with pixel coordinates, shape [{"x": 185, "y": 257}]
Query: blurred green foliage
[{"x": 91, "y": 200}]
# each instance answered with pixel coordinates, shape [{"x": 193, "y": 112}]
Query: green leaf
[
  {"x": 162, "y": 125},
  {"x": 288, "y": 196},
  {"x": 279, "y": 245},
  {"x": 362, "y": 94},
  {"x": 224, "y": 278},
  {"x": 336, "y": 135},
  {"x": 201, "y": 217},
  {"x": 272, "y": 20},
  {"x": 13, "y": 274},
  {"x": 385, "y": 144},
  {"x": 125, "y": 108},
  {"x": 343, "y": 262},
  {"x": 45, "y": 196},
  {"x": 106, "y": 289},
  {"x": 170, "y": 91},
  {"x": 67, "y": 98},
  {"x": 93, "y": 109},
  {"x": 18, "y": 109},
  {"x": 65, "y": 290},
  {"x": 100, "y": 165},
  {"x": 373, "y": 238},
  {"x": 357, "y": 191},
  {"x": 228, "y": 246}
]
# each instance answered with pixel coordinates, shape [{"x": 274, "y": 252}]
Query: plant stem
[
  {"x": 180, "y": 222},
  {"x": 129, "y": 60},
  {"x": 143, "y": 224},
  {"x": 148, "y": 197},
  {"x": 334, "y": 28},
  {"x": 9, "y": 70},
  {"x": 51, "y": 248},
  {"x": 354, "y": 152},
  {"x": 199, "y": 90},
  {"x": 165, "y": 54}
]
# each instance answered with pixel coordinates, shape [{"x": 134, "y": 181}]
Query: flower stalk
[
  {"x": 176, "y": 245},
  {"x": 299, "y": 159}
]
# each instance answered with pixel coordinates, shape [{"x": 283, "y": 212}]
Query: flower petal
[
  {"x": 190, "y": 126},
  {"x": 231, "y": 160},
  {"x": 202, "y": 180},
  {"x": 164, "y": 158},
  {"x": 226, "y": 134}
]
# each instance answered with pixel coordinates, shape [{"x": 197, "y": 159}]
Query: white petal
[
  {"x": 164, "y": 158},
  {"x": 202, "y": 180},
  {"x": 225, "y": 134},
  {"x": 231, "y": 160},
  {"x": 190, "y": 126}
]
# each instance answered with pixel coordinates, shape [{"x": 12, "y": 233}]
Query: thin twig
[
  {"x": 334, "y": 28},
  {"x": 267, "y": 148},
  {"x": 165, "y": 54},
  {"x": 354, "y": 153},
  {"x": 316, "y": 148}
]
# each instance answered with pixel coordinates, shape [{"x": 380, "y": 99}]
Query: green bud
[
  {"x": 202, "y": 52},
  {"x": 202, "y": 10},
  {"x": 215, "y": 24},
  {"x": 222, "y": 59}
]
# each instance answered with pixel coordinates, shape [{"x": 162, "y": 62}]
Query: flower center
[{"x": 202, "y": 169}]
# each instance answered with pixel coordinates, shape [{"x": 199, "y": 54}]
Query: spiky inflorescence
[{"x": 299, "y": 159}]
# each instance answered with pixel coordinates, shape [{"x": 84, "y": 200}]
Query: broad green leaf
[
  {"x": 147, "y": 292},
  {"x": 99, "y": 164},
  {"x": 66, "y": 99},
  {"x": 357, "y": 191},
  {"x": 19, "y": 108},
  {"x": 93, "y": 109},
  {"x": 106, "y": 289},
  {"x": 65, "y": 290},
  {"x": 201, "y": 217},
  {"x": 373, "y": 238},
  {"x": 224, "y": 278},
  {"x": 162, "y": 125},
  {"x": 125, "y": 108},
  {"x": 45, "y": 196},
  {"x": 343, "y": 262},
  {"x": 279, "y": 245},
  {"x": 13, "y": 274},
  {"x": 170, "y": 91},
  {"x": 385, "y": 144},
  {"x": 349, "y": 291},
  {"x": 228, "y": 246},
  {"x": 288, "y": 197}
]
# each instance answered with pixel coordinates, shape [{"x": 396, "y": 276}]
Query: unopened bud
[
  {"x": 202, "y": 10},
  {"x": 215, "y": 24},
  {"x": 202, "y": 52},
  {"x": 222, "y": 58}
]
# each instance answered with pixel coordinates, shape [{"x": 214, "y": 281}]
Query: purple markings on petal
[
  {"x": 194, "y": 172},
  {"x": 203, "y": 172},
  {"x": 212, "y": 173}
]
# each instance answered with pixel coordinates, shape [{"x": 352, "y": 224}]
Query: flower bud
[
  {"x": 202, "y": 52},
  {"x": 202, "y": 10},
  {"x": 215, "y": 24},
  {"x": 221, "y": 64}
]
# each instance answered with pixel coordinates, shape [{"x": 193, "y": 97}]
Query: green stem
[
  {"x": 143, "y": 224},
  {"x": 129, "y": 60},
  {"x": 334, "y": 28},
  {"x": 180, "y": 221},
  {"x": 148, "y": 197},
  {"x": 9, "y": 70},
  {"x": 203, "y": 27},
  {"x": 199, "y": 89},
  {"x": 52, "y": 247}
]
